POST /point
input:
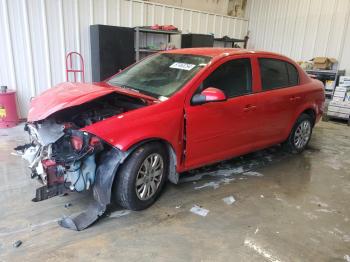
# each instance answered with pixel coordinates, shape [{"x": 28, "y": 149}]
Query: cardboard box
[
  {"x": 338, "y": 115},
  {"x": 340, "y": 94},
  {"x": 342, "y": 89},
  {"x": 337, "y": 99},
  {"x": 347, "y": 96},
  {"x": 329, "y": 85},
  {"x": 323, "y": 62},
  {"x": 339, "y": 109},
  {"x": 339, "y": 104},
  {"x": 344, "y": 81}
]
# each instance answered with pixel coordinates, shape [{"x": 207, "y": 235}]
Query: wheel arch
[
  {"x": 173, "y": 175},
  {"x": 311, "y": 112}
]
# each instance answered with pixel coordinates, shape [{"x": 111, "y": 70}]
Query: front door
[{"x": 219, "y": 130}]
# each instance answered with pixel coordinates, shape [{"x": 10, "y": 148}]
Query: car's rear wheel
[
  {"x": 141, "y": 177},
  {"x": 300, "y": 135}
]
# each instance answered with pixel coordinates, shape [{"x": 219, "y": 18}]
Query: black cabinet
[
  {"x": 112, "y": 49},
  {"x": 196, "y": 40}
]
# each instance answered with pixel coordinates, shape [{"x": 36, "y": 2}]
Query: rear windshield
[{"x": 160, "y": 75}]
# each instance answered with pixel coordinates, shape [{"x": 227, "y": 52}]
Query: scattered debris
[
  {"x": 67, "y": 205},
  {"x": 346, "y": 238},
  {"x": 256, "y": 230},
  {"x": 15, "y": 154},
  {"x": 347, "y": 258},
  {"x": 120, "y": 213},
  {"x": 212, "y": 184},
  {"x": 229, "y": 200},
  {"x": 310, "y": 215},
  {"x": 268, "y": 158},
  {"x": 227, "y": 180},
  {"x": 252, "y": 173},
  {"x": 261, "y": 196},
  {"x": 260, "y": 250},
  {"x": 319, "y": 203},
  {"x": 315, "y": 240},
  {"x": 179, "y": 206},
  {"x": 64, "y": 194},
  {"x": 324, "y": 210},
  {"x": 199, "y": 211},
  {"x": 338, "y": 230},
  {"x": 17, "y": 243},
  {"x": 238, "y": 170},
  {"x": 216, "y": 184}
]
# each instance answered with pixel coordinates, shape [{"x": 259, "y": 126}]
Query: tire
[
  {"x": 137, "y": 197},
  {"x": 300, "y": 135}
]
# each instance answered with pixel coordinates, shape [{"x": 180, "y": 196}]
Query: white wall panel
[
  {"x": 22, "y": 52},
  {"x": 301, "y": 29},
  {"x": 37, "y": 34}
]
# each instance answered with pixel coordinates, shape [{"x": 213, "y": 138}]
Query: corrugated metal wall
[
  {"x": 301, "y": 29},
  {"x": 36, "y": 35}
]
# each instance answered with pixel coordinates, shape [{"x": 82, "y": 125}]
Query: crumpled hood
[{"x": 71, "y": 94}]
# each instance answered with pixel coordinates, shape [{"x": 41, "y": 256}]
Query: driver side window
[{"x": 234, "y": 78}]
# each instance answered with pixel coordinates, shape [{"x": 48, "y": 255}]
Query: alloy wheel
[
  {"x": 302, "y": 134},
  {"x": 149, "y": 176}
]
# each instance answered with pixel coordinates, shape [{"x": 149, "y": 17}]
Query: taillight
[{"x": 76, "y": 142}]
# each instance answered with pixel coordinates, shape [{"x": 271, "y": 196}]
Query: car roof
[{"x": 216, "y": 52}]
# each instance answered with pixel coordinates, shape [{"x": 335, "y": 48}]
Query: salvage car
[{"x": 171, "y": 112}]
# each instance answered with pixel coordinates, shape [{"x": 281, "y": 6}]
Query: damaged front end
[
  {"x": 61, "y": 157},
  {"x": 65, "y": 158}
]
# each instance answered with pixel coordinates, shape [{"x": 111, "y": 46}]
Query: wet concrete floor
[{"x": 287, "y": 208}]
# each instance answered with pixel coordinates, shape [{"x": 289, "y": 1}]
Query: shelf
[
  {"x": 230, "y": 40},
  {"x": 142, "y": 40},
  {"x": 320, "y": 71},
  {"x": 145, "y": 50},
  {"x": 325, "y": 72},
  {"x": 148, "y": 30}
]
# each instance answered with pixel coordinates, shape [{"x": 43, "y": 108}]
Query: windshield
[{"x": 160, "y": 75}]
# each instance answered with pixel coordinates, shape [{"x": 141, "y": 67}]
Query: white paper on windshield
[{"x": 182, "y": 66}]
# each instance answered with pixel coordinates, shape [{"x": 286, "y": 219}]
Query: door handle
[
  {"x": 249, "y": 108},
  {"x": 294, "y": 98}
]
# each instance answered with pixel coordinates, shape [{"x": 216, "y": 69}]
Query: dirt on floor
[{"x": 265, "y": 206}]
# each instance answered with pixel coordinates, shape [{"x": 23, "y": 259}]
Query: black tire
[
  {"x": 124, "y": 192},
  {"x": 290, "y": 145}
]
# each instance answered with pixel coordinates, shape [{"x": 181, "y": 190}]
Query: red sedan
[{"x": 171, "y": 112}]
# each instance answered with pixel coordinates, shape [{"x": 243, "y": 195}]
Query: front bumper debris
[{"x": 102, "y": 191}]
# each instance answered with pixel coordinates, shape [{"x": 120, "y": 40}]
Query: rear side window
[
  {"x": 277, "y": 74},
  {"x": 293, "y": 75}
]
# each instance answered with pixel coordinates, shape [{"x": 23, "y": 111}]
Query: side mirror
[{"x": 210, "y": 94}]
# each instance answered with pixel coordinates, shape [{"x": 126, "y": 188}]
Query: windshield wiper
[
  {"x": 135, "y": 90},
  {"x": 130, "y": 88}
]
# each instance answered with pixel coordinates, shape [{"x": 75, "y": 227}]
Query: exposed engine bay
[{"x": 64, "y": 158}]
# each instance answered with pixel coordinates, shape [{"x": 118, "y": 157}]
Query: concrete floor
[{"x": 288, "y": 208}]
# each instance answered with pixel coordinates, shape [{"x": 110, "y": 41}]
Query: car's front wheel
[
  {"x": 300, "y": 135},
  {"x": 141, "y": 177}
]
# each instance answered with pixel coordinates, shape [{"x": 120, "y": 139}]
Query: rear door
[
  {"x": 218, "y": 130},
  {"x": 278, "y": 100}
]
